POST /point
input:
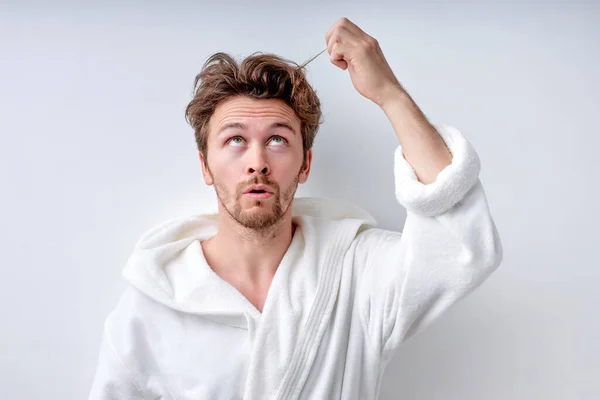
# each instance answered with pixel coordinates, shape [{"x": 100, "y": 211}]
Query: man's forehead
[{"x": 242, "y": 112}]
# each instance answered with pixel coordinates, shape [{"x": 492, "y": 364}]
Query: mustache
[{"x": 258, "y": 180}]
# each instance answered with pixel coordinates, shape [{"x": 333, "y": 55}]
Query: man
[{"x": 282, "y": 298}]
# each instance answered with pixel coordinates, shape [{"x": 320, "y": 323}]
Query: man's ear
[
  {"x": 305, "y": 171},
  {"x": 205, "y": 172}
]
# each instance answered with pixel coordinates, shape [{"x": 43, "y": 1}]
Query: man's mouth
[
  {"x": 258, "y": 190},
  {"x": 259, "y": 194}
]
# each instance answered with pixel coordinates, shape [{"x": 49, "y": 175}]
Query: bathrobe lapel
[{"x": 297, "y": 309}]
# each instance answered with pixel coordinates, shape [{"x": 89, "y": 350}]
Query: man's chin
[
  {"x": 258, "y": 214},
  {"x": 263, "y": 211},
  {"x": 258, "y": 219}
]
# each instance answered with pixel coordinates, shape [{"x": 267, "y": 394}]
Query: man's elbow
[{"x": 491, "y": 252}]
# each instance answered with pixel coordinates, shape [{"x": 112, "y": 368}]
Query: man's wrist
[{"x": 392, "y": 96}]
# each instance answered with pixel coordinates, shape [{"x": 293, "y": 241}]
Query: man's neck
[{"x": 248, "y": 255}]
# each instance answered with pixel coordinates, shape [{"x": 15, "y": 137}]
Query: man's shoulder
[
  {"x": 134, "y": 308},
  {"x": 373, "y": 239}
]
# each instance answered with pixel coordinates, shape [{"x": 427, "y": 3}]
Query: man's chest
[
  {"x": 196, "y": 357},
  {"x": 255, "y": 293}
]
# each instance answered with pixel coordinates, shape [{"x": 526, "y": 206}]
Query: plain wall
[{"x": 94, "y": 150}]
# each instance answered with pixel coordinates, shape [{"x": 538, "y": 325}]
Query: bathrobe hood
[{"x": 167, "y": 263}]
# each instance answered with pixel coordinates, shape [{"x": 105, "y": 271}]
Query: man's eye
[
  {"x": 236, "y": 140},
  {"x": 278, "y": 140}
]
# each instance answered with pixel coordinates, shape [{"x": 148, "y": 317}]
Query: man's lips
[
  {"x": 262, "y": 195},
  {"x": 258, "y": 189}
]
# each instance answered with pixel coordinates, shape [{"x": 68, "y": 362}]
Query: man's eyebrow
[
  {"x": 230, "y": 125},
  {"x": 239, "y": 125},
  {"x": 283, "y": 125}
]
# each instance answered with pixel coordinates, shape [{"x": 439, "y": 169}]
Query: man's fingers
[
  {"x": 330, "y": 31},
  {"x": 342, "y": 31},
  {"x": 344, "y": 23},
  {"x": 341, "y": 38},
  {"x": 337, "y": 55},
  {"x": 352, "y": 27},
  {"x": 341, "y": 35}
]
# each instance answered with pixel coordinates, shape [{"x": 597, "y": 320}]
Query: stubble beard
[{"x": 260, "y": 217}]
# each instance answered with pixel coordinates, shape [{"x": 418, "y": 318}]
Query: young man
[{"x": 283, "y": 298}]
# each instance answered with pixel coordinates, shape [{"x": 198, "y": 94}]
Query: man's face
[{"x": 255, "y": 142}]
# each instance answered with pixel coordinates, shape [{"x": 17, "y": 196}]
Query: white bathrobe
[{"x": 343, "y": 299}]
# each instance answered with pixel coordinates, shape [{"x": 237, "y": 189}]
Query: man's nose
[{"x": 257, "y": 161}]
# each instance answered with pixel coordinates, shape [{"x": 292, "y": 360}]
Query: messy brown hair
[{"x": 258, "y": 76}]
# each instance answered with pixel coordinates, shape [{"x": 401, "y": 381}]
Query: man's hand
[{"x": 351, "y": 48}]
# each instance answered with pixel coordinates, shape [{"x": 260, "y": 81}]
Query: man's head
[{"x": 254, "y": 126}]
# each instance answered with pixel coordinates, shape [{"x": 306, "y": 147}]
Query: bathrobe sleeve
[
  {"x": 448, "y": 247},
  {"x": 113, "y": 380}
]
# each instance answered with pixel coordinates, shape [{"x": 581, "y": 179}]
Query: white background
[{"x": 94, "y": 150}]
